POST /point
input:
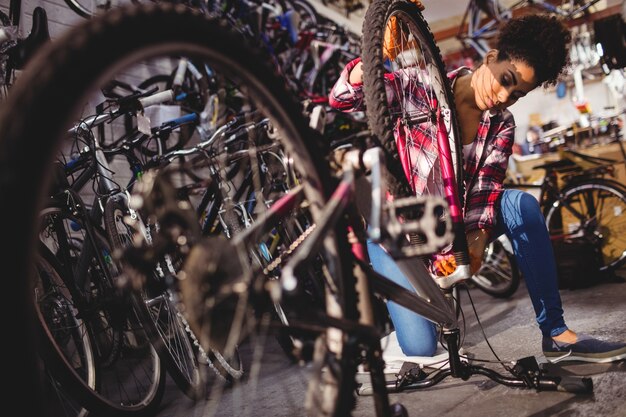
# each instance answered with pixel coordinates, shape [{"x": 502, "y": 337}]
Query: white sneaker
[
  {"x": 394, "y": 360},
  {"x": 394, "y": 357}
]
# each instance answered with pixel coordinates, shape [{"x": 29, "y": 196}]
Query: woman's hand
[
  {"x": 477, "y": 242},
  {"x": 356, "y": 75}
]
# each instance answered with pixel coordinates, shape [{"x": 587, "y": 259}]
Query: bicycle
[
  {"x": 235, "y": 291},
  {"x": 577, "y": 196},
  {"x": 580, "y": 200},
  {"x": 77, "y": 242}
]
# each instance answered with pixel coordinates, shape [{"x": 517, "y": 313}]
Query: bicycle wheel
[
  {"x": 595, "y": 210},
  {"x": 400, "y": 55},
  {"x": 130, "y": 380},
  {"x": 65, "y": 236},
  {"x": 498, "y": 275},
  {"x": 64, "y": 74}
]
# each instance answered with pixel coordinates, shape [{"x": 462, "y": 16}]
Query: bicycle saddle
[{"x": 27, "y": 47}]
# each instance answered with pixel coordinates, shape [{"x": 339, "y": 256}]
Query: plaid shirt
[{"x": 484, "y": 169}]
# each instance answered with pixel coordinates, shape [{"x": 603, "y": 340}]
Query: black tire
[
  {"x": 596, "y": 210},
  {"x": 56, "y": 83},
  {"x": 499, "y": 275}
]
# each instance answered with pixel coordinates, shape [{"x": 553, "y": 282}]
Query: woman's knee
[
  {"x": 420, "y": 339},
  {"x": 521, "y": 205},
  {"x": 419, "y": 347}
]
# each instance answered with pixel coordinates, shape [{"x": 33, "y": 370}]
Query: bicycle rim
[
  {"x": 498, "y": 275},
  {"x": 595, "y": 211}
]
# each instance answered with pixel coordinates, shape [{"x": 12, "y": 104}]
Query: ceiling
[
  {"x": 443, "y": 17},
  {"x": 436, "y": 10}
]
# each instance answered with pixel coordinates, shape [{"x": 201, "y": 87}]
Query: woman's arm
[
  {"x": 487, "y": 184},
  {"x": 486, "y": 189},
  {"x": 347, "y": 93},
  {"x": 356, "y": 75}
]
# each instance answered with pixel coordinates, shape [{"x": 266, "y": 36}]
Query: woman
[{"x": 531, "y": 51}]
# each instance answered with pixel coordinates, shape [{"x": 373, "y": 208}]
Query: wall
[
  {"x": 60, "y": 16},
  {"x": 546, "y": 103},
  {"x": 60, "y": 19}
]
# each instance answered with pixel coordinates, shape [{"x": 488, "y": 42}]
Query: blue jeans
[{"x": 521, "y": 220}]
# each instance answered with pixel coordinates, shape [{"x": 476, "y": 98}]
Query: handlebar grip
[
  {"x": 180, "y": 73},
  {"x": 157, "y": 98},
  {"x": 574, "y": 384}
]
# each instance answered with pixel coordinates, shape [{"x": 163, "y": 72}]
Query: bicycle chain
[
  {"x": 267, "y": 271},
  {"x": 205, "y": 357},
  {"x": 294, "y": 245}
]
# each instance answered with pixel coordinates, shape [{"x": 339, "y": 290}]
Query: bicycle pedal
[
  {"x": 409, "y": 373},
  {"x": 425, "y": 219}
]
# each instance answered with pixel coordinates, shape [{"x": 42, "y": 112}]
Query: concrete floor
[{"x": 510, "y": 327}]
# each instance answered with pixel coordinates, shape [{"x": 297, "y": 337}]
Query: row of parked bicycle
[
  {"x": 153, "y": 161},
  {"x": 108, "y": 310}
]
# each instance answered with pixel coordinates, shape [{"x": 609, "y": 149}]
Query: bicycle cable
[{"x": 484, "y": 334}]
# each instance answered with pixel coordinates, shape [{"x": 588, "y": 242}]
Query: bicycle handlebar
[
  {"x": 525, "y": 374},
  {"x": 158, "y": 98},
  {"x": 135, "y": 102}
]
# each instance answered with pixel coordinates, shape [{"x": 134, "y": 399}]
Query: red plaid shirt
[{"x": 484, "y": 169}]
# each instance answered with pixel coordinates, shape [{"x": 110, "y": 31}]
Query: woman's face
[{"x": 499, "y": 84}]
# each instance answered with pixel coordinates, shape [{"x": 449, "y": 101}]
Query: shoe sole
[{"x": 585, "y": 357}]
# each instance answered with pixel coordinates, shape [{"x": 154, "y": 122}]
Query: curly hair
[{"x": 540, "y": 41}]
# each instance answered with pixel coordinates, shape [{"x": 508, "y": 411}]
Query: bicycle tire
[
  {"x": 499, "y": 275},
  {"x": 55, "y": 313},
  {"x": 604, "y": 224},
  {"x": 59, "y": 76},
  {"x": 378, "y": 111}
]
